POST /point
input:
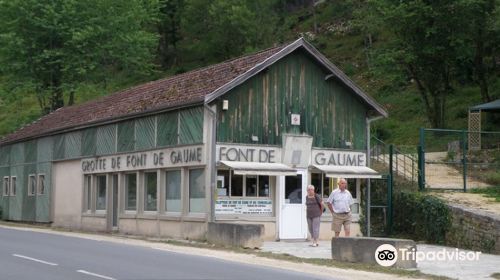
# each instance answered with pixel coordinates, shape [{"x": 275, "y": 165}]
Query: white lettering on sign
[
  {"x": 240, "y": 206},
  {"x": 184, "y": 156},
  {"x": 248, "y": 153},
  {"x": 340, "y": 158}
]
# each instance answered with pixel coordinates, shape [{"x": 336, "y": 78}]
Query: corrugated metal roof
[{"x": 490, "y": 106}]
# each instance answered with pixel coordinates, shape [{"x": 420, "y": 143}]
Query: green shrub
[
  {"x": 493, "y": 192},
  {"x": 493, "y": 178},
  {"x": 421, "y": 217}
]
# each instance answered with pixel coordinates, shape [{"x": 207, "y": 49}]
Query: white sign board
[
  {"x": 171, "y": 157},
  {"x": 248, "y": 153},
  {"x": 295, "y": 119},
  {"x": 240, "y": 206},
  {"x": 340, "y": 158}
]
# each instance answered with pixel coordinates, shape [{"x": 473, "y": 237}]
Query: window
[
  {"x": 13, "y": 186},
  {"x": 131, "y": 191},
  {"x": 32, "y": 184},
  {"x": 321, "y": 184},
  {"x": 251, "y": 185},
  {"x": 223, "y": 183},
  {"x": 6, "y": 186},
  {"x": 173, "y": 191},
  {"x": 264, "y": 190},
  {"x": 41, "y": 184},
  {"x": 236, "y": 184},
  {"x": 230, "y": 184},
  {"x": 150, "y": 191},
  {"x": 353, "y": 186},
  {"x": 87, "y": 190},
  {"x": 196, "y": 190},
  {"x": 293, "y": 189},
  {"x": 101, "y": 193},
  {"x": 257, "y": 186}
]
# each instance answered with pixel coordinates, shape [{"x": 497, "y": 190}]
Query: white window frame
[
  {"x": 32, "y": 179},
  {"x": 39, "y": 184},
  {"x": 13, "y": 185},
  {"x": 96, "y": 193},
  {"x": 189, "y": 190},
  {"x": 164, "y": 186},
  {"x": 6, "y": 186},
  {"x": 87, "y": 193}
]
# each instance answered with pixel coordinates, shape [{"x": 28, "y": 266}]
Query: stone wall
[
  {"x": 474, "y": 229},
  {"x": 236, "y": 235}
]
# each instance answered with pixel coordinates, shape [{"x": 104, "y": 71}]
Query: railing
[{"x": 404, "y": 158}]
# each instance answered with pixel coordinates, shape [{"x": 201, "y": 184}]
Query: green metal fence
[
  {"x": 379, "y": 213},
  {"x": 457, "y": 159}
]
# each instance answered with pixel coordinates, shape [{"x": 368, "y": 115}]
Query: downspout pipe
[
  {"x": 213, "y": 161},
  {"x": 368, "y": 184}
]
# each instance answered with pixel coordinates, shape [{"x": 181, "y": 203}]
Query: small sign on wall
[{"x": 295, "y": 119}]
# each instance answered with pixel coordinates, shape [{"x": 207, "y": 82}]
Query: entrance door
[
  {"x": 113, "y": 203},
  {"x": 292, "y": 219}
]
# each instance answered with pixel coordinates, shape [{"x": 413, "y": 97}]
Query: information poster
[{"x": 239, "y": 206}]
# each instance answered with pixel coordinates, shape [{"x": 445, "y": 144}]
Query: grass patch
[
  {"x": 321, "y": 262},
  {"x": 492, "y": 178},
  {"x": 493, "y": 192}
]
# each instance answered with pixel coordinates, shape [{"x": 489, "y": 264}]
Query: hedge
[{"x": 421, "y": 217}]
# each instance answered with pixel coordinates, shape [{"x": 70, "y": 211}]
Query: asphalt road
[{"x": 34, "y": 255}]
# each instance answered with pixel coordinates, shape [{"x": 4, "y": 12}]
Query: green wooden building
[{"x": 236, "y": 142}]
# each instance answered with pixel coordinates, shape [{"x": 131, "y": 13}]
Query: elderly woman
[{"x": 314, "y": 205}]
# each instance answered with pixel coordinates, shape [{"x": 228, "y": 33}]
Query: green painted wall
[
  {"x": 263, "y": 105},
  {"x": 36, "y": 156}
]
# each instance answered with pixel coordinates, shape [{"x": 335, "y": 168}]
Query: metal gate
[{"x": 446, "y": 161}]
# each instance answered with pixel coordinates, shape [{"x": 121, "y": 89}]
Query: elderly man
[{"x": 339, "y": 202}]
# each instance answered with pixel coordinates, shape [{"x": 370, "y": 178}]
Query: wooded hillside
[{"x": 427, "y": 62}]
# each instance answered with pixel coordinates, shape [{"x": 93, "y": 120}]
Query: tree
[
  {"x": 169, "y": 30},
  {"x": 52, "y": 45},
  {"x": 427, "y": 47},
  {"x": 436, "y": 44},
  {"x": 218, "y": 30},
  {"x": 483, "y": 39}
]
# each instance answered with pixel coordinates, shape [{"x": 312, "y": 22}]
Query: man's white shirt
[{"x": 341, "y": 201}]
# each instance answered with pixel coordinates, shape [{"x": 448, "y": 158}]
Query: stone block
[
  {"x": 236, "y": 235},
  {"x": 362, "y": 250}
]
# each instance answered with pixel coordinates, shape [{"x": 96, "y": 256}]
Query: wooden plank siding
[{"x": 262, "y": 106}]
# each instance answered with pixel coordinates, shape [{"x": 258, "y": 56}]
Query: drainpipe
[
  {"x": 368, "y": 184},
  {"x": 213, "y": 171}
]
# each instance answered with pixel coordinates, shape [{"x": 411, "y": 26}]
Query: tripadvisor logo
[{"x": 388, "y": 255}]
